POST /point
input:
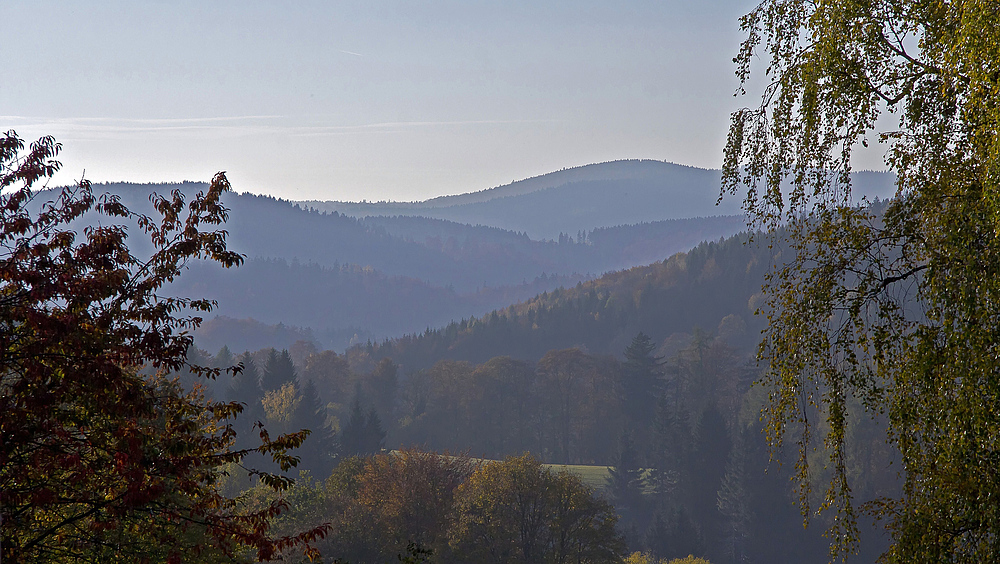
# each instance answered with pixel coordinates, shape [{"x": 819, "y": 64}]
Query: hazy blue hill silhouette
[
  {"x": 591, "y": 204},
  {"x": 384, "y": 276},
  {"x": 334, "y": 304},
  {"x": 586, "y": 197},
  {"x": 441, "y": 253},
  {"x": 612, "y": 170}
]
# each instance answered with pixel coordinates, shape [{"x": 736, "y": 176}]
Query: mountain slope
[
  {"x": 336, "y": 303},
  {"x": 339, "y": 276},
  {"x": 713, "y": 287},
  {"x": 440, "y": 253},
  {"x": 587, "y": 197}
]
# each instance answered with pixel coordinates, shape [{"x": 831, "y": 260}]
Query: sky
[{"x": 368, "y": 100}]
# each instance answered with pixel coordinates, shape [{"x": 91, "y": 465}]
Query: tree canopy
[
  {"x": 103, "y": 457},
  {"x": 883, "y": 308}
]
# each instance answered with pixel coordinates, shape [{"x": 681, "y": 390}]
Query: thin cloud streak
[
  {"x": 232, "y": 125},
  {"x": 47, "y": 120},
  {"x": 318, "y": 131}
]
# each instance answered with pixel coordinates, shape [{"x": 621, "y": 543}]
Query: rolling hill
[
  {"x": 713, "y": 287},
  {"x": 586, "y": 197},
  {"x": 342, "y": 279}
]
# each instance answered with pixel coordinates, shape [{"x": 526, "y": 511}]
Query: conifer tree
[
  {"x": 319, "y": 447},
  {"x": 361, "y": 435},
  {"x": 641, "y": 384},
  {"x": 625, "y": 480},
  {"x": 278, "y": 371}
]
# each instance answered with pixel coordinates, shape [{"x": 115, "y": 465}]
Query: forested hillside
[
  {"x": 712, "y": 287},
  {"x": 647, "y": 372},
  {"x": 341, "y": 279},
  {"x": 333, "y": 306},
  {"x": 335, "y": 276}
]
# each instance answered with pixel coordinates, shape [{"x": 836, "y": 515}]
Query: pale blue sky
[{"x": 368, "y": 100}]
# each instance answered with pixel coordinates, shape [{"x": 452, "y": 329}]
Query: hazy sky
[{"x": 368, "y": 100}]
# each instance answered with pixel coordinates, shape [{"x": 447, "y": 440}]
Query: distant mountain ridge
[
  {"x": 612, "y": 170},
  {"x": 587, "y": 197},
  {"x": 340, "y": 278},
  {"x": 336, "y": 277}
]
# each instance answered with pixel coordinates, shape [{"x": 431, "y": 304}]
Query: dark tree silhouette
[{"x": 103, "y": 458}]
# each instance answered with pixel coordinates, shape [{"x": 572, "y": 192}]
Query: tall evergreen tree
[
  {"x": 383, "y": 384},
  {"x": 734, "y": 503},
  {"x": 625, "y": 481},
  {"x": 625, "y": 486},
  {"x": 641, "y": 375},
  {"x": 245, "y": 388},
  {"x": 278, "y": 370},
  {"x": 361, "y": 435},
  {"x": 224, "y": 358},
  {"x": 672, "y": 446},
  {"x": 707, "y": 468},
  {"x": 374, "y": 432},
  {"x": 320, "y": 447}
]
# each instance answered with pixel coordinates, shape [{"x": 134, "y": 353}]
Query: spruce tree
[
  {"x": 361, "y": 435},
  {"x": 320, "y": 447},
  {"x": 278, "y": 370},
  {"x": 244, "y": 388},
  {"x": 625, "y": 482},
  {"x": 642, "y": 372}
]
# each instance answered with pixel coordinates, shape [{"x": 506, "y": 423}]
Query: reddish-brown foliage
[{"x": 100, "y": 461}]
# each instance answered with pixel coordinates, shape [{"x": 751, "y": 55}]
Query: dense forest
[
  {"x": 351, "y": 275},
  {"x": 712, "y": 288},
  {"x": 689, "y": 471},
  {"x": 646, "y": 372},
  {"x": 547, "y": 372}
]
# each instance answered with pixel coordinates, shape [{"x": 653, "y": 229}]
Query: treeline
[
  {"x": 437, "y": 252},
  {"x": 713, "y": 287},
  {"x": 569, "y": 407},
  {"x": 690, "y": 472},
  {"x": 677, "y": 433},
  {"x": 422, "y": 506},
  {"x": 334, "y": 303}
]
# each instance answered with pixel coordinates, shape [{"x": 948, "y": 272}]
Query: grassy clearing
[{"x": 594, "y": 476}]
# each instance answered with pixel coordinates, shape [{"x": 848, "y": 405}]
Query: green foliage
[
  {"x": 646, "y": 558},
  {"x": 381, "y": 507},
  {"x": 890, "y": 309}
]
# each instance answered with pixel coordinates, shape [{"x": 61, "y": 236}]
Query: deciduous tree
[
  {"x": 516, "y": 511},
  {"x": 102, "y": 458},
  {"x": 896, "y": 304}
]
